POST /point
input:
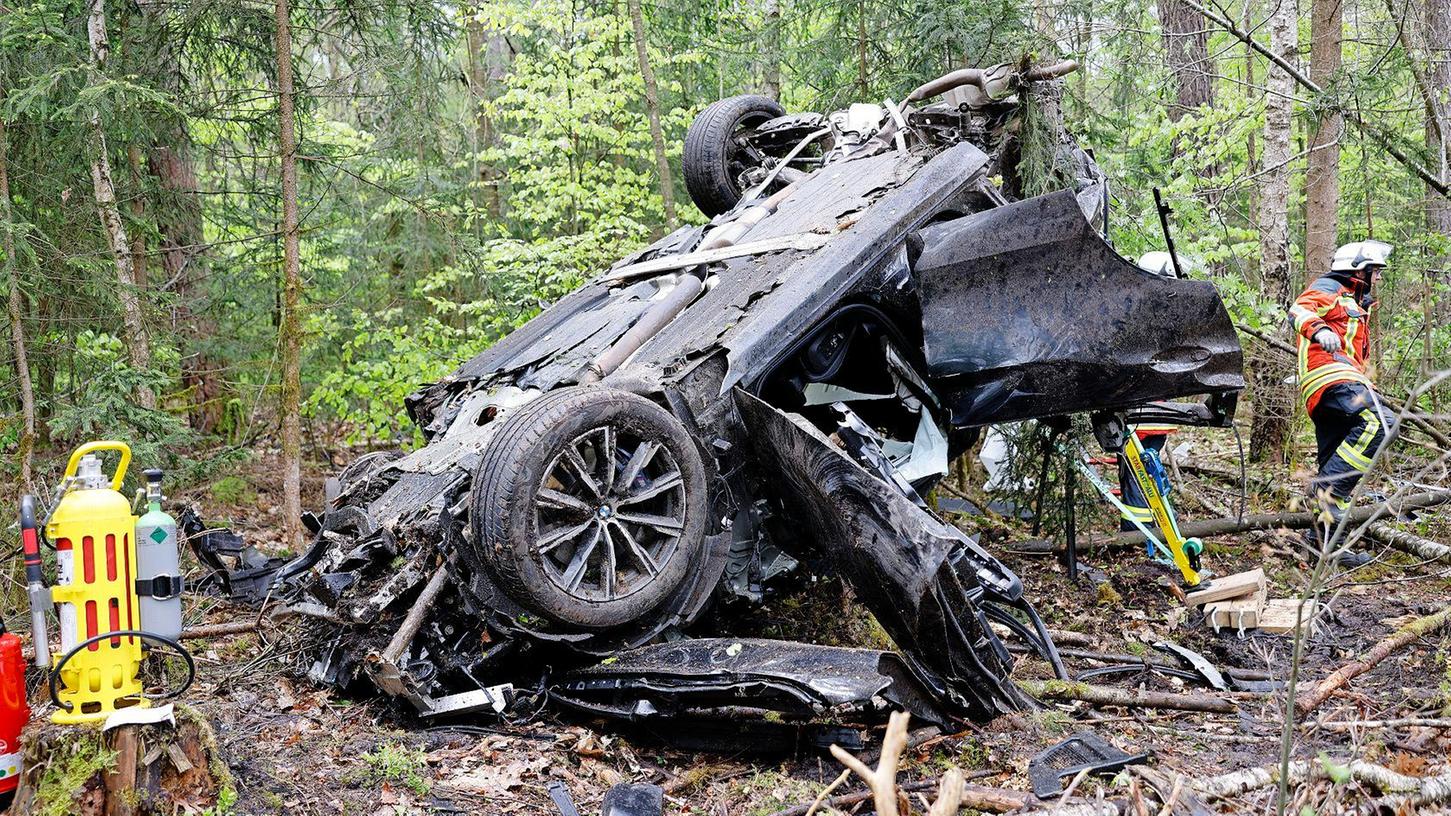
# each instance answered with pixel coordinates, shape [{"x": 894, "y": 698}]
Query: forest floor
[{"x": 296, "y": 748}]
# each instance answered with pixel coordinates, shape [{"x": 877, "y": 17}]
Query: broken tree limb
[
  {"x": 409, "y": 627},
  {"x": 1250, "y": 779},
  {"x": 1350, "y": 114},
  {"x": 1406, "y": 635},
  {"x": 1408, "y": 542},
  {"x": 1429, "y": 791},
  {"x": 233, "y": 627},
  {"x": 883, "y": 779},
  {"x": 845, "y": 800},
  {"x": 1128, "y": 698},
  {"x": 1294, "y": 521}
]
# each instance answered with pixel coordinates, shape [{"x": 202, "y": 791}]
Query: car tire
[
  {"x": 711, "y": 159},
  {"x": 576, "y": 542}
]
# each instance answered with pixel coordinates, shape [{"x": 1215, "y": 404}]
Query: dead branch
[
  {"x": 1293, "y": 521},
  {"x": 987, "y": 795},
  {"x": 1402, "y": 722},
  {"x": 1249, "y": 779},
  {"x": 1110, "y": 696},
  {"x": 1147, "y": 661},
  {"x": 883, "y": 779},
  {"x": 233, "y": 627},
  {"x": 1429, "y": 791},
  {"x": 1411, "y": 632},
  {"x": 949, "y": 795},
  {"x": 1409, "y": 542}
]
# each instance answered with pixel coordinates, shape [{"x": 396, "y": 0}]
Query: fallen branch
[
  {"x": 1128, "y": 698},
  {"x": 1409, "y": 542},
  {"x": 1293, "y": 521},
  {"x": 882, "y": 780},
  {"x": 1249, "y": 779},
  {"x": 1411, "y": 632},
  {"x": 845, "y": 800},
  {"x": 1146, "y": 661},
  {"x": 1430, "y": 791},
  {"x": 233, "y": 627},
  {"x": 1402, "y": 722}
]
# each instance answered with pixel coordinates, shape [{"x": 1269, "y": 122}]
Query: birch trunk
[
  {"x": 652, "y": 110},
  {"x": 1274, "y": 400},
  {"x": 137, "y": 344},
  {"x": 1322, "y": 175}
]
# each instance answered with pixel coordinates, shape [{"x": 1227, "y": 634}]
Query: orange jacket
[{"x": 1330, "y": 304}]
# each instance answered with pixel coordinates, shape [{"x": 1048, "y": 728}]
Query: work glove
[{"x": 1329, "y": 341}]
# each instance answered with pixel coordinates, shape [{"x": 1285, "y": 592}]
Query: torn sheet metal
[
  {"x": 675, "y": 687},
  {"x": 922, "y": 579}
]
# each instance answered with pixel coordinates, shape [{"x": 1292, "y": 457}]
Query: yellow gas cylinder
[{"x": 93, "y": 532}]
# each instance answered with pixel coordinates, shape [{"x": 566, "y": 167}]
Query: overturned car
[{"x": 775, "y": 389}]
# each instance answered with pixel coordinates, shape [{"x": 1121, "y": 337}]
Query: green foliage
[
  {"x": 438, "y": 216},
  {"x": 396, "y": 762},
  {"x": 233, "y": 490}
]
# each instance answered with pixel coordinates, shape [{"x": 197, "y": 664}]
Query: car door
[{"x": 1028, "y": 312}]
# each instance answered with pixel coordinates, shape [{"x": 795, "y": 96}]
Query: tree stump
[{"x": 131, "y": 770}]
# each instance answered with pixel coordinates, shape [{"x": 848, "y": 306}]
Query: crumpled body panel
[
  {"x": 1028, "y": 312},
  {"x": 923, "y": 579}
]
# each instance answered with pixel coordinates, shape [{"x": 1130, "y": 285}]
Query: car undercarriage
[{"x": 772, "y": 392}]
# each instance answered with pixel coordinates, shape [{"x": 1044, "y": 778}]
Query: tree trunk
[
  {"x": 1438, "y": 120},
  {"x": 1322, "y": 175},
  {"x": 1274, "y": 400},
  {"x": 652, "y": 109},
  {"x": 864, "y": 90},
  {"x": 771, "y": 46},
  {"x": 138, "y": 346},
  {"x": 138, "y": 211},
  {"x": 183, "y": 267},
  {"x": 289, "y": 334},
  {"x": 1186, "y": 43},
  {"x": 17, "y": 329}
]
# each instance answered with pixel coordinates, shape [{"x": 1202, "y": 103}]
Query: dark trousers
[
  {"x": 1348, "y": 432},
  {"x": 1129, "y": 492}
]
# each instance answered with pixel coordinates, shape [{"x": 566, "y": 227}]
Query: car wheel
[
  {"x": 714, "y": 159},
  {"x": 589, "y": 507}
]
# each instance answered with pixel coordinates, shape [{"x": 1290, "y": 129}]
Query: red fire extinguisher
[{"x": 14, "y": 713}]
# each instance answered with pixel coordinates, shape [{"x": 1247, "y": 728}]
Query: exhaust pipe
[{"x": 690, "y": 285}]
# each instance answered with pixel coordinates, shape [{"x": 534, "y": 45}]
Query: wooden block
[
  {"x": 1278, "y": 616},
  {"x": 1227, "y": 587},
  {"x": 1236, "y": 614}
]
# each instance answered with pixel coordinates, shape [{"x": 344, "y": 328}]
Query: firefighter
[{"x": 1331, "y": 318}]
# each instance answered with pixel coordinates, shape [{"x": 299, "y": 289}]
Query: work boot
[{"x": 1349, "y": 559}]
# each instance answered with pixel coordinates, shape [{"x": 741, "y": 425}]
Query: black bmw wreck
[{"x": 775, "y": 389}]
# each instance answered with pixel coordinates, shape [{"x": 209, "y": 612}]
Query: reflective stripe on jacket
[{"x": 1329, "y": 304}]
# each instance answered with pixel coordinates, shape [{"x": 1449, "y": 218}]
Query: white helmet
[
  {"x": 1157, "y": 262},
  {"x": 1356, "y": 256}
]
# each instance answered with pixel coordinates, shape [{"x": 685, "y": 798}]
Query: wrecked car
[{"x": 771, "y": 392}]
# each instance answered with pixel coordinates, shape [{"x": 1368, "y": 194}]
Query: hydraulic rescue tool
[
  {"x": 1148, "y": 472},
  {"x": 118, "y": 587}
]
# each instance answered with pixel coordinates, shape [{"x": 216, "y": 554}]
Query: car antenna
[{"x": 1164, "y": 212}]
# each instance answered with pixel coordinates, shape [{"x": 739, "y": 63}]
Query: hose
[
  {"x": 1039, "y": 640},
  {"x": 165, "y": 641}
]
